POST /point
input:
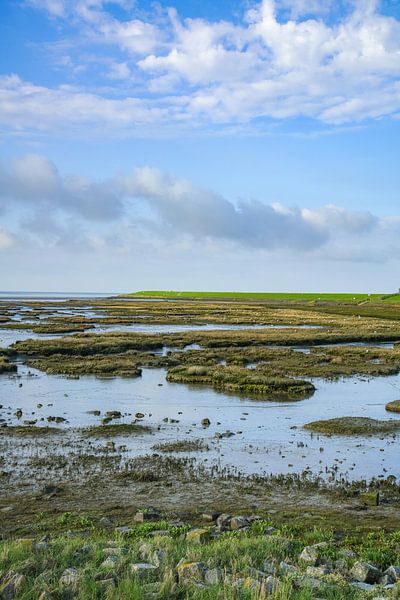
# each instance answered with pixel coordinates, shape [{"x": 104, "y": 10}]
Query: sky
[{"x": 198, "y": 145}]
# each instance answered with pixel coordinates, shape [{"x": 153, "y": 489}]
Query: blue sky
[{"x": 205, "y": 145}]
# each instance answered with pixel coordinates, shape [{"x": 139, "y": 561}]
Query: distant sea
[{"x": 52, "y": 295}]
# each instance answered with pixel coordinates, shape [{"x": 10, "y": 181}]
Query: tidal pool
[{"x": 268, "y": 435}]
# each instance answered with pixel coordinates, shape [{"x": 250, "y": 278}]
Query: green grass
[
  {"x": 237, "y": 555},
  {"x": 299, "y": 297}
]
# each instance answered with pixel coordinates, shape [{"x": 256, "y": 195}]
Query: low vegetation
[
  {"x": 182, "y": 446},
  {"x": 116, "y": 429},
  {"x": 393, "y": 406},
  {"x": 28, "y": 430},
  {"x": 353, "y": 426},
  {"x": 100, "y": 365},
  {"x": 242, "y": 381},
  {"x": 6, "y": 366}
]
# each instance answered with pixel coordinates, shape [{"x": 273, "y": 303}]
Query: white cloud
[
  {"x": 198, "y": 73},
  {"x": 148, "y": 206},
  {"x": 6, "y": 239},
  {"x": 34, "y": 182}
]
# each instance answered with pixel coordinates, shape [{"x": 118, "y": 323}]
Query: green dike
[{"x": 299, "y": 297}]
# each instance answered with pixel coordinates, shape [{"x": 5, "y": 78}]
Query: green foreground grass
[
  {"x": 90, "y": 560},
  {"x": 299, "y": 297}
]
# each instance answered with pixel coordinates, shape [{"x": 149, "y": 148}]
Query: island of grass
[
  {"x": 393, "y": 406},
  {"x": 29, "y": 430},
  {"x": 116, "y": 429},
  {"x": 242, "y": 381},
  {"x": 99, "y": 365},
  {"x": 353, "y": 426},
  {"x": 6, "y": 366},
  {"x": 182, "y": 446}
]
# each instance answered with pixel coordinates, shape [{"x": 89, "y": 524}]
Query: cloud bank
[
  {"x": 284, "y": 59},
  {"x": 41, "y": 206}
]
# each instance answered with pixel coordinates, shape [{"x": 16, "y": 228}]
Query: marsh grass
[
  {"x": 6, "y": 366},
  {"x": 182, "y": 446},
  {"x": 115, "y": 429},
  {"x": 393, "y": 406},
  {"x": 29, "y": 431},
  {"x": 353, "y": 426},
  {"x": 242, "y": 381},
  {"x": 100, "y": 365}
]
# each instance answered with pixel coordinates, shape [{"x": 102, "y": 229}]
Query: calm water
[{"x": 271, "y": 438}]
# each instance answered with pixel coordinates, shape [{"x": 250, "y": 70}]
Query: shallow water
[
  {"x": 10, "y": 336},
  {"x": 271, "y": 440}
]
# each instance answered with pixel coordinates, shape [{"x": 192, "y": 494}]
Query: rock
[
  {"x": 393, "y": 572},
  {"x": 206, "y": 422},
  {"x": 105, "y": 522},
  {"x": 366, "y": 587},
  {"x": 144, "y": 571},
  {"x": 119, "y": 551},
  {"x": 365, "y": 572},
  {"x": 145, "y": 550},
  {"x": 210, "y": 516},
  {"x": 70, "y": 579},
  {"x": 160, "y": 533},
  {"x": 251, "y": 584},
  {"x": 213, "y": 576},
  {"x": 124, "y": 530},
  {"x": 271, "y": 583},
  {"x": 312, "y": 583},
  {"x": 309, "y": 556},
  {"x": 12, "y": 586},
  {"x": 113, "y": 414},
  {"x": 270, "y": 530},
  {"x": 261, "y": 587},
  {"x": 198, "y": 536},
  {"x": 285, "y": 567},
  {"x": 269, "y": 567},
  {"x": 157, "y": 557},
  {"x": 106, "y": 585},
  {"x": 317, "y": 571},
  {"x": 111, "y": 562},
  {"x": 139, "y": 415},
  {"x": 150, "y": 514},
  {"x": 239, "y": 522},
  {"x": 224, "y": 521},
  {"x": 190, "y": 572}
]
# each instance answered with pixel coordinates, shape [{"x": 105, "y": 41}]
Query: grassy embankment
[{"x": 271, "y": 296}]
